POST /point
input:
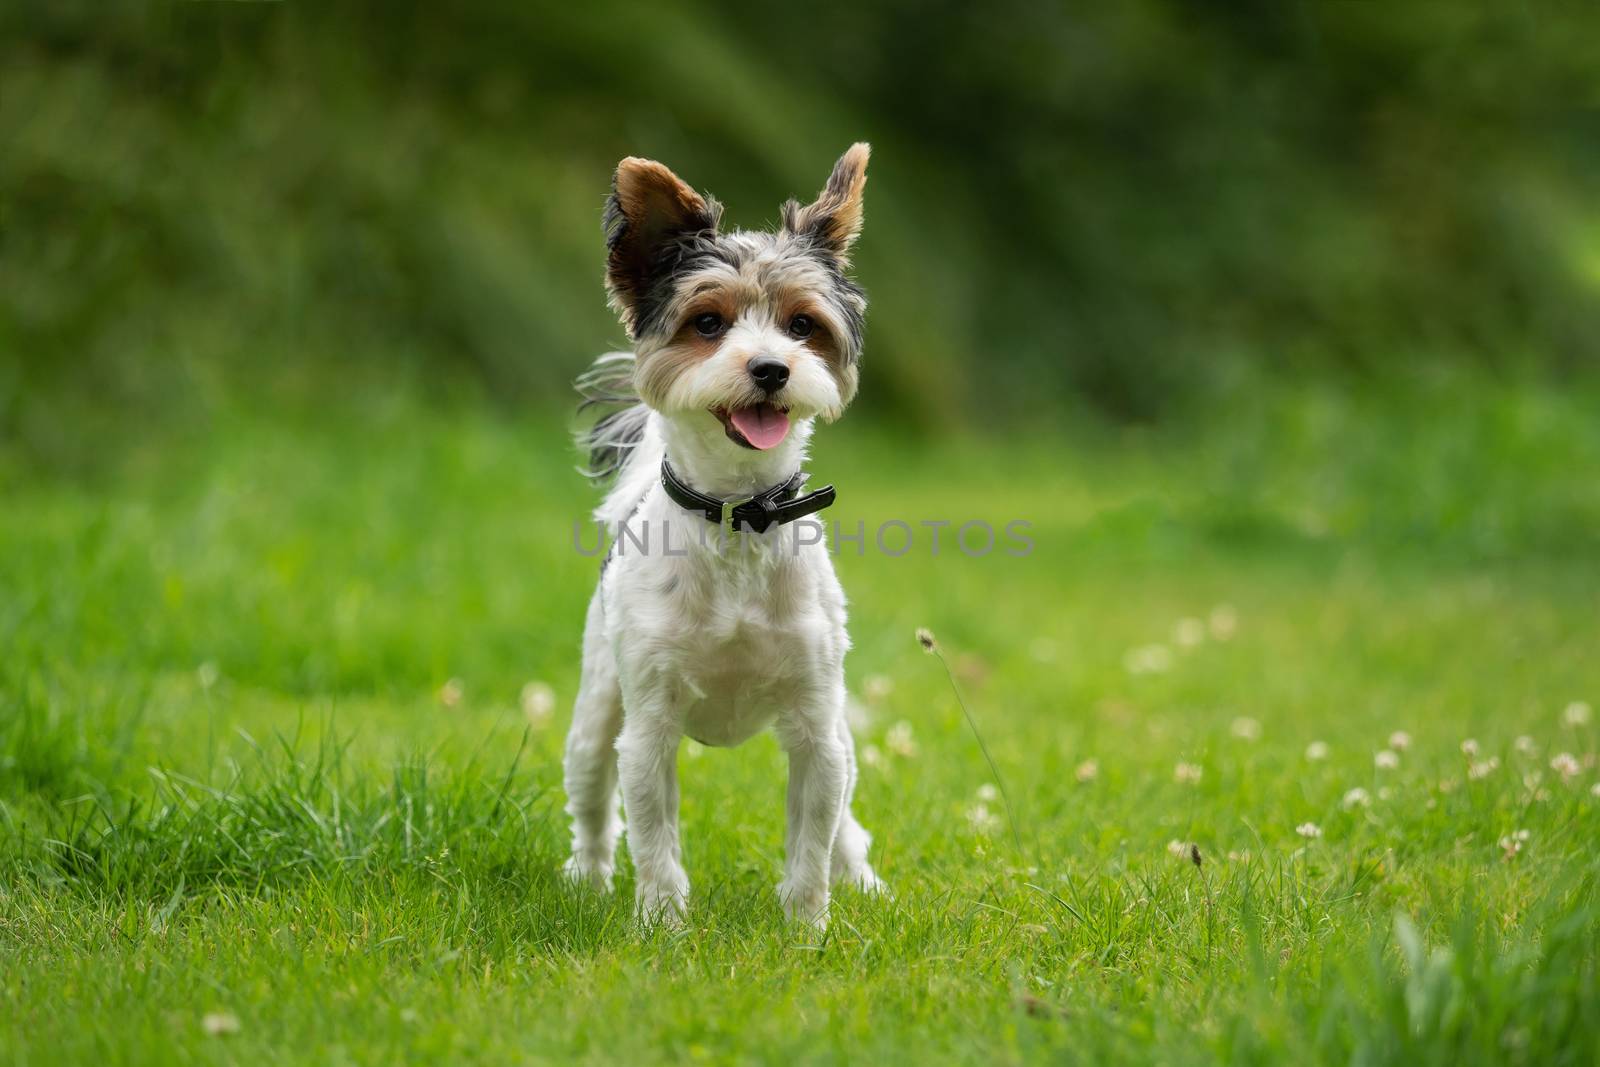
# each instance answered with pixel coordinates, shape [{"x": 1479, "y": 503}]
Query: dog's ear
[
  {"x": 650, "y": 211},
  {"x": 834, "y": 219}
]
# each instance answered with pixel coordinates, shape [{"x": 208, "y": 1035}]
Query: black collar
[{"x": 776, "y": 505}]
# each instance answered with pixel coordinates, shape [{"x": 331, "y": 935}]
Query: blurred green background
[
  {"x": 1277, "y": 321},
  {"x": 1128, "y": 212}
]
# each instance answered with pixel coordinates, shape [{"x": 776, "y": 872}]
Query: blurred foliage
[{"x": 1131, "y": 207}]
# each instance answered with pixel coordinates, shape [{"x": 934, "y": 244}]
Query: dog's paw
[
  {"x": 592, "y": 873},
  {"x": 804, "y": 904},
  {"x": 661, "y": 902}
]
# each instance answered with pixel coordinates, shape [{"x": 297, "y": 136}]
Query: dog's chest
[
  {"x": 736, "y": 677},
  {"x": 740, "y": 640}
]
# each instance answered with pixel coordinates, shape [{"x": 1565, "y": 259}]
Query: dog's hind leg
[
  {"x": 850, "y": 842},
  {"x": 590, "y": 765}
]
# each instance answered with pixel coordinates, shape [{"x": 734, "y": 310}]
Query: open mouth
[{"x": 759, "y": 426}]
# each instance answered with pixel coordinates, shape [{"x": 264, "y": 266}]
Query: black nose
[{"x": 769, "y": 373}]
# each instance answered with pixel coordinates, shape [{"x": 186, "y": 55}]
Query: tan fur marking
[
  {"x": 646, "y": 188},
  {"x": 822, "y": 340},
  {"x": 655, "y": 373},
  {"x": 839, "y": 207}
]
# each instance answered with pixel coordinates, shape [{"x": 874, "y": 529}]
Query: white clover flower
[
  {"x": 451, "y": 692},
  {"x": 1148, "y": 659},
  {"x": 1356, "y": 798},
  {"x": 1187, "y": 773},
  {"x": 220, "y": 1023},
  {"x": 1594, "y": 790},
  {"x": 1245, "y": 728},
  {"x": 987, "y": 792},
  {"x": 876, "y": 688},
  {"x": 1526, "y": 745},
  {"x": 1511, "y": 844},
  {"x": 1577, "y": 713},
  {"x": 982, "y": 819},
  {"x": 1317, "y": 751},
  {"x": 1224, "y": 622},
  {"x": 1088, "y": 770},
  {"x": 1483, "y": 768},
  {"x": 899, "y": 740},
  {"x": 1400, "y": 740},
  {"x": 872, "y": 756},
  {"x": 1178, "y": 848},
  {"x": 1385, "y": 793},
  {"x": 1386, "y": 760},
  {"x": 538, "y": 701},
  {"x": 1308, "y": 829},
  {"x": 1189, "y": 633},
  {"x": 1566, "y": 765},
  {"x": 1238, "y": 855},
  {"x": 1469, "y": 747}
]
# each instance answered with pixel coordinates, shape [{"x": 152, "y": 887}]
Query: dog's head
[{"x": 751, "y": 329}]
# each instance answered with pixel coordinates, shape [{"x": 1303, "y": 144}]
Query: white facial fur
[{"x": 767, "y": 282}]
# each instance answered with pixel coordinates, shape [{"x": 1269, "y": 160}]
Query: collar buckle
[{"x": 775, "y": 506}]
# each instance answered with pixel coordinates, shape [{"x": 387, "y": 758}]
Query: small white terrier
[{"x": 709, "y": 621}]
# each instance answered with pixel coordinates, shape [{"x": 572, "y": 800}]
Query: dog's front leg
[
  {"x": 647, "y": 764},
  {"x": 818, "y": 775}
]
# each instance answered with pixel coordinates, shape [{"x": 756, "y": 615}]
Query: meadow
[
  {"x": 1293, "y": 706},
  {"x": 1274, "y": 322}
]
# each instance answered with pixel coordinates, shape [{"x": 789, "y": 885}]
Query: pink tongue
[{"x": 762, "y": 425}]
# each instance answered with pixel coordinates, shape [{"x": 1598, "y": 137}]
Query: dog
[{"x": 742, "y": 341}]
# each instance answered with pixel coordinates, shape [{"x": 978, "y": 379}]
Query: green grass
[{"x": 229, "y": 786}]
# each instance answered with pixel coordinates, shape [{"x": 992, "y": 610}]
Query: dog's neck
[{"x": 702, "y": 455}]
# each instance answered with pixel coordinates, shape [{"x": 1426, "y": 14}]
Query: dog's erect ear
[
  {"x": 651, "y": 209},
  {"x": 834, "y": 220}
]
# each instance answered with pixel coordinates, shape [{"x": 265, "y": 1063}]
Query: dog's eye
[
  {"x": 709, "y": 324},
  {"x": 801, "y": 326}
]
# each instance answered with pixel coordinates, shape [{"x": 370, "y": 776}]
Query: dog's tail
[{"x": 608, "y": 386}]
